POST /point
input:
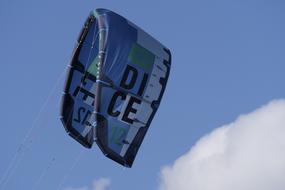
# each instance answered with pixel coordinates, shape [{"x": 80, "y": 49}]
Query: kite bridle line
[
  {"x": 16, "y": 160},
  {"x": 67, "y": 174},
  {"x": 20, "y": 150},
  {"x": 86, "y": 74},
  {"x": 79, "y": 155}
]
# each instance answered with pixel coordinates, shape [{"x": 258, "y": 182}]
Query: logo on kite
[{"x": 114, "y": 85}]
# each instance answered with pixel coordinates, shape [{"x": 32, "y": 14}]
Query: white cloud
[
  {"x": 248, "y": 154},
  {"x": 81, "y": 188},
  {"x": 99, "y": 184}
]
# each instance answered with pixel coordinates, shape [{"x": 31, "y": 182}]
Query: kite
[{"x": 114, "y": 85}]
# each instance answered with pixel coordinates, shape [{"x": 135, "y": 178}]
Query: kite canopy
[{"x": 116, "y": 79}]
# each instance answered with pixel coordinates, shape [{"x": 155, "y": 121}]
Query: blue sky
[{"x": 228, "y": 59}]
